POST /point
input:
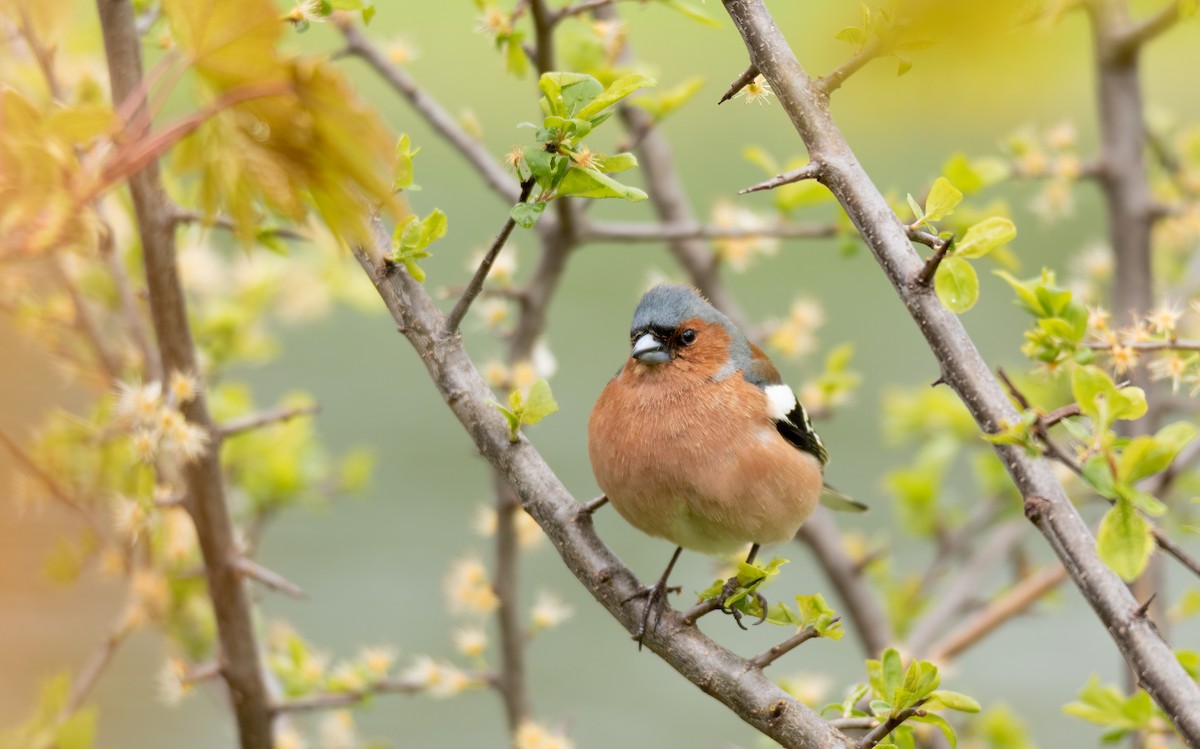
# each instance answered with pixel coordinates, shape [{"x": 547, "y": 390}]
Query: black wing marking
[{"x": 797, "y": 429}]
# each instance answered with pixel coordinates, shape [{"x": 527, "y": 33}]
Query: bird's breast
[{"x": 702, "y": 465}]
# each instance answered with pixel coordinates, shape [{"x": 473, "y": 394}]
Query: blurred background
[{"x": 372, "y": 565}]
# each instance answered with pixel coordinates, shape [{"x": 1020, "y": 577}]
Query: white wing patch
[{"x": 780, "y": 401}]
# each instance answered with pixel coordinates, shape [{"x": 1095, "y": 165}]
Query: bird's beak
[{"x": 650, "y": 350}]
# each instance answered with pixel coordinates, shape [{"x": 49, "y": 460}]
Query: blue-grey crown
[{"x": 667, "y": 305}]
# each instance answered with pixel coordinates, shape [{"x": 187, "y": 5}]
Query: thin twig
[
  {"x": 854, "y": 724},
  {"x": 811, "y": 170},
  {"x": 268, "y": 578},
  {"x": 862, "y": 602},
  {"x": 1010, "y": 604},
  {"x": 832, "y": 82},
  {"x": 878, "y": 733},
  {"x": 965, "y": 586},
  {"x": 1140, "y": 34},
  {"x": 591, "y": 507},
  {"x": 629, "y": 232},
  {"x": 1178, "y": 344},
  {"x": 454, "y": 319},
  {"x": 336, "y": 700},
  {"x": 96, "y": 665},
  {"x": 578, "y": 9},
  {"x": 228, "y": 224},
  {"x": 265, "y": 418},
  {"x": 442, "y": 122},
  {"x": 931, "y": 265},
  {"x": 788, "y": 645},
  {"x": 1166, "y": 544},
  {"x": 743, "y": 80},
  {"x": 56, "y": 490}
]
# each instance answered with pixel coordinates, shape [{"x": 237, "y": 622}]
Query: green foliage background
[{"x": 372, "y": 566}]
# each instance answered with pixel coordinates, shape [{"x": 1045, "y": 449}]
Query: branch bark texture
[
  {"x": 964, "y": 369},
  {"x": 202, "y": 477}
]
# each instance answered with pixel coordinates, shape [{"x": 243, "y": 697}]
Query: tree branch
[
  {"x": 82, "y": 686},
  {"x": 671, "y": 204},
  {"x": 788, "y": 645},
  {"x": 966, "y": 585},
  {"x": 455, "y": 318},
  {"x": 262, "y": 419},
  {"x": 1010, "y": 604},
  {"x": 649, "y": 232},
  {"x": 1047, "y": 505},
  {"x": 878, "y": 733},
  {"x": 743, "y": 80},
  {"x": 725, "y": 676},
  {"x": 811, "y": 170},
  {"x": 442, "y": 122},
  {"x": 269, "y": 578},
  {"x": 336, "y": 700},
  {"x": 202, "y": 477},
  {"x": 1137, "y": 36},
  {"x": 832, "y": 82},
  {"x": 822, "y": 537}
]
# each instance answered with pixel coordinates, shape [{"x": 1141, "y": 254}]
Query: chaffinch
[{"x": 697, "y": 439}]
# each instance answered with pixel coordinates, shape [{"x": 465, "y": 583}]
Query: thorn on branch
[
  {"x": 941, "y": 380},
  {"x": 941, "y": 247},
  {"x": 738, "y": 84},
  {"x": 788, "y": 645},
  {"x": 1144, "y": 609},
  {"x": 273, "y": 580},
  {"x": 811, "y": 170},
  {"x": 591, "y": 507}
]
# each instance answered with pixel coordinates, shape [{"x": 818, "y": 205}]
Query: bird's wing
[
  {"x": 835, "y": 500},
  {"x": 791, "y": 420}
]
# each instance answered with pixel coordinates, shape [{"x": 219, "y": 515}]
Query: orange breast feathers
[{"x": 698, "y": 461}]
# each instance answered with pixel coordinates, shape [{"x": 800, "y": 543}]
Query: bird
[{"x": 697, "y": 440}]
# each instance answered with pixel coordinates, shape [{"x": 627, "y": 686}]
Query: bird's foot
[
  {"x": 731, "y": 586},
  {"x": 656, "y": 601}
]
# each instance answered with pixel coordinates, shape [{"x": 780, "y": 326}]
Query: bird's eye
[{"x": 688, "y": 337}]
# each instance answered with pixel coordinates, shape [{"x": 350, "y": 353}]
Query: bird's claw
[
  {"x": 656, "y": 601},
  {"x": 730, "y": 587}
]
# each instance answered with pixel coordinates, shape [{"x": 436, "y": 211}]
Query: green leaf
[
  {"x": 985, "y": 236},
  {"x": 514, "y": 422},
  {"x": 589, "y": 183},
  {"x": 1145, "y": 456},
  {"x": 78, "y": 731},
  {"x": 618, "y": 90},
  {"x": 540, "y": 403},
  {"x": 940, "y": 722},
  {"x": 527, "y": 214},
  {"x": 618, "y": 162},
  {"x": 956, "y": 284},
  {"x": 410, "y": 239},
  {"x": 893, "y": 671},
  {"x": 402, "y": 173},
  {"x": 948, "y": 700},
  {"x": 666, "y": 102},
  {"x": 1124, "y": 540},
  {"x": 692, "y": 12},
  {"x": 919, "y": 215},
  {"x": 971, "y": 176},
  {"x": 943, "y": 199}
]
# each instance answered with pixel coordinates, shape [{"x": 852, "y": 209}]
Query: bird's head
[{"x": 674, "y": 326}]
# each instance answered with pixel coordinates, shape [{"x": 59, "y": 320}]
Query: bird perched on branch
[{"x": 698, "y": 441}]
